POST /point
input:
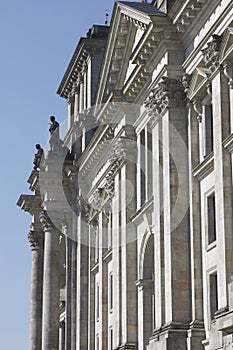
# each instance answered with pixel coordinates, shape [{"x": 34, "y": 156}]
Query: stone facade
[{"x": 131, "y": 234}]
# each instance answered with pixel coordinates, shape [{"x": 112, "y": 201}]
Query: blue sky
[{"x": 37, "y": 39}]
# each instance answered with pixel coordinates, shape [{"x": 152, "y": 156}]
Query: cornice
[
  {"x": 204, "y": 168},
  {"x": 145, "y": 208},
  {"x": 183, "y": 15},
  {"x": 29, "y": 203},
  {"x": 85, "y": 48}
]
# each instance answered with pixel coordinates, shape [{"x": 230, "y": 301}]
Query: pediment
[
  {"x": 131, "y": 27},
  {"x": 198, "y": 80}
]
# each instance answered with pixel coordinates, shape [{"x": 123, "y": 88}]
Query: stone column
[
  {"x": 81, "y": 94},
  {"x": 68, "y": 293},
  {"x": 128, "y": 246},
  {"x": 36, "y": 239},
  {"x": 70, "y": 102},
  {"x": 223, "y": 186},
  {"x": 76, "y": 101},
  {"x": 51, "y": 287},
  {"x": 116, "y": 258},
  {"x": 157, "y": 222},
  {"x": 196, "y": 333}
]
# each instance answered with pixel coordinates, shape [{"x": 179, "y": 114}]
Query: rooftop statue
[
  {"x": 38, "y": 157},
  {"x": 54, "y": 133}
]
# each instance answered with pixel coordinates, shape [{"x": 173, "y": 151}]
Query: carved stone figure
[
  {"x": 38, "y": 157},
  {"x": 54, "y": 133}
]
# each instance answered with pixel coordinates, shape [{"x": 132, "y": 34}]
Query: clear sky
[{"x": 37, "y": 39}]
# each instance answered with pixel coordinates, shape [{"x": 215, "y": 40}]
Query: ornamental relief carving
[
  {"x": 211, "y": 53},
  {"x": 36, "y": 239},
  {"x": 169, "y": 93},
  {"x": 46, "y": 222}
]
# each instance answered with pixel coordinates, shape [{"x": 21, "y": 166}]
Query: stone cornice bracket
[
  {"x": 211, "y": 53},
  {"x": 197, "y": 106},
  {"x": 186, "y": 79},
  {"x": 46, "y": 222},
  {"x": 36, "y": 239},
  {"x": 228, "y": 71}
]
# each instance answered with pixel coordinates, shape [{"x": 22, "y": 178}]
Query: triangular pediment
[
  {"x": 131, "y": 23},
  {"x": 198, "y": 80}
]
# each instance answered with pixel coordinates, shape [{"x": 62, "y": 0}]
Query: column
[
  {"x": 223, "y": 186},
  {"x": 70, "y": 102},
  {"x": 128, "y": 247},
  {"x": 68, "y": 294},
  {"x": 176, "y": 228},
  {"x": 76, "y": 102},
  {"x": 36, "y": 239},
  {"x": 116, "y": 257},
  {"x": 51, "y": 287},
  {"x": 196, "y": 332},
  {"x": 157, "y": 222},
  {"x": 81, "y": 93}
]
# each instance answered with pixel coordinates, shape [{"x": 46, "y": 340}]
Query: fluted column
[
  {"x": 51, "y": 287},
  {"x": 36, "y": 242}
]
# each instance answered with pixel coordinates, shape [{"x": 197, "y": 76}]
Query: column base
[
  {"x": 171, "y": 336},
  {"x": 196, "y": 335}
]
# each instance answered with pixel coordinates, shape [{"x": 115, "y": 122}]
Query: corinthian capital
[
  {"x": 35, "y": 239},
  {"x": 168, "y": 93},
  {"x": 46, "y": 222}
]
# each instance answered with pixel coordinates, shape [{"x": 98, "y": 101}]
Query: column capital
[
  {"x": 35, "y": 239},
  {"x": 169, "y": 93},
  {"x": 46, "y": 223}
]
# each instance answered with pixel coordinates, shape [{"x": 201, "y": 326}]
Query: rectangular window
[
  {"x": 142, "y": 167},
  {"x": 208, "y": 129},
  {"x": 110, "y": 291},
  {"x": 213, "y": 285},
  {"x": 211, "y": 217},
  {"x": 110, "y": 230},
  {"x": 97, "y": 244}
]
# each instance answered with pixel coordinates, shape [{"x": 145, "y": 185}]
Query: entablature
[{"x": 30, "y": 203}]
